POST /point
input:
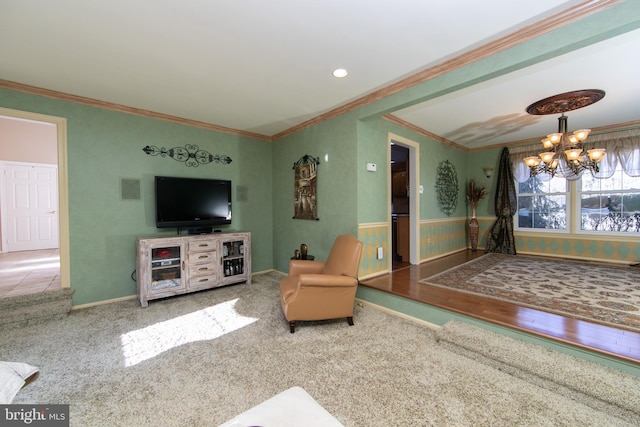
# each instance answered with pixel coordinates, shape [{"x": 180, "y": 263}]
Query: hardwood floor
[{"x": 618, "y": 343}]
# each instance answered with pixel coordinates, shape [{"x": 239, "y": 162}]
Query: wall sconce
[{"x": 488, "y": 172}]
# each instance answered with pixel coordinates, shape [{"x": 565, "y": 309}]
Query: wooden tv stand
[{"x": 168, "y": 266}]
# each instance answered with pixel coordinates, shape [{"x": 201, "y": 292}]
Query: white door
[{"x": 31, "y": 207}]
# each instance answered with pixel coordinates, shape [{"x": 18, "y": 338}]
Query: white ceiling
[{"x": 265, "y": 66}]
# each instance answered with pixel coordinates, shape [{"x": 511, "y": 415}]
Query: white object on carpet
[
  {"x": 291, "y": 408},
  {"x": 13, "y": 376}
]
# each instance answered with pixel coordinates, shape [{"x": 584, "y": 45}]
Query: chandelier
[{"x": 563, "y": 151}]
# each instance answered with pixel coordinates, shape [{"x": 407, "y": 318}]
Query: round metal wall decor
[{"x": 447, "y": 187}]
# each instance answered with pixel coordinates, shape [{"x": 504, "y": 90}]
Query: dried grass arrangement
[{"x": 475, "y": 193}]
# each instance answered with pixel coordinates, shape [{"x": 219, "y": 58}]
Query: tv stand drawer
[
  {"x": 203, "y": 281},
  {"x": 203, "y": 269},
  {"x": 202, "y": 257},
  {"x": 202, "y": 246}
]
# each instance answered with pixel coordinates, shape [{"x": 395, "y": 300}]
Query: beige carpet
[
  {"x": 200, "y": 359},
  {"x": 600, "y": 293}
]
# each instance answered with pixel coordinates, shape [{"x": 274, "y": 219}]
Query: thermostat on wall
[{"x": 371, "y": 167}]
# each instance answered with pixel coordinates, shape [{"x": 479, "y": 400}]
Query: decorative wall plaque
[
  {"x": 191, "y": 155},
  {"x": 304, "y": 191}
]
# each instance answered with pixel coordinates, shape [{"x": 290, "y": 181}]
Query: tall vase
[{"x": 473, "y": 229}]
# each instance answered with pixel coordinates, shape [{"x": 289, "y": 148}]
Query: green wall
[
  {"x": 333, "y": 142},
  {"x": 104, "y": 147},
  {"x": 374, "y": 196}
]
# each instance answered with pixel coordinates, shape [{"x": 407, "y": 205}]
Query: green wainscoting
[
  {"x": 373, "y": 236},
  {"x": 597, "y": 248},
  {"x": 485, "y": 224},
  {"x": 439, "y": 237}
]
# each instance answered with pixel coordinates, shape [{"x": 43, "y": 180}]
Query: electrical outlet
[{"x": 380, "y": 253}]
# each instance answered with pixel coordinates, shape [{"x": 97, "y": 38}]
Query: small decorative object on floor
[{"x": 474, "y": 195}]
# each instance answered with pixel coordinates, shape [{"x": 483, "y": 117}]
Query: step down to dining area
[{"x": 23, "y": 310}]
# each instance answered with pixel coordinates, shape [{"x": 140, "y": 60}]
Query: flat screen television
[{"x": 196, "y": 204}]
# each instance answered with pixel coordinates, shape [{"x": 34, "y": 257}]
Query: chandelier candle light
[{"x": 563, "y": 148}]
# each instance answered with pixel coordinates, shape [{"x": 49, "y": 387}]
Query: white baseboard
[{"x": 108, "y": 301}]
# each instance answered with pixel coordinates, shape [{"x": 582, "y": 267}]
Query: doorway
[
  {"x": 29, "y": 205},
  {"x": 20, "y": 257},
  {"x": 403, "y": 188},
  {"x": 400, "y": 196}
]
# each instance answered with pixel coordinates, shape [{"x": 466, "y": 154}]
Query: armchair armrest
[
  {"x": 300, "y": 266},
  {"x": 326, "y": 280}
]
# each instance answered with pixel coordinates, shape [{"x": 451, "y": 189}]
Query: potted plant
[{"x": 475, "y": 193}]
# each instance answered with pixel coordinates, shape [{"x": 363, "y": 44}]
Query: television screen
[{"x": 193, "y": 203}]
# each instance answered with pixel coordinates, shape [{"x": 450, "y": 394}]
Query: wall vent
[{"x": 130, "y": 189}]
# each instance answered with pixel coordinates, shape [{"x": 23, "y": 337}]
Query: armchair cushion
[
  {"x": 291, "y": 285},
  {"x": 326, "y": 280},
  {"x": 344, "y": 257},
  {"x": 300, "y": 266}
]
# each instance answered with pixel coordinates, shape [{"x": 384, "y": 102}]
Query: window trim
[
  {"x": 576, "y": 222},
  {"x": 540, "y": 231}
]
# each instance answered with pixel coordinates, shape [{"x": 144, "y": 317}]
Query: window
[
  {"x": 611, "y": 204},
  {"x": 542, "y": 203},
  {"x": 608, "y": 205}
]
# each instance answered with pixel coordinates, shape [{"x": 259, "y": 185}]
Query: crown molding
[
  {"x": 34, "y": 90},
  {"x": 407, "y": 125}
]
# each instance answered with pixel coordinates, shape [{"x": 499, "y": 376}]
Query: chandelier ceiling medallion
[{"x": 563, "y": 149}]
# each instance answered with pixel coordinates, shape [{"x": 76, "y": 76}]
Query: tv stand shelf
[{"x": 168, "y": 266}]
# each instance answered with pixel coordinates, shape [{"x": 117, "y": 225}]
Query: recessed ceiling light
[{"x": 340, "y": 72}]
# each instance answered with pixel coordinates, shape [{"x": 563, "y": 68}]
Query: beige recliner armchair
[{"x": 316, "y": 290}]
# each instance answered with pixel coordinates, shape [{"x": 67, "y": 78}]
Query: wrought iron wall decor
[
  {"x": 447, "y": 187},
  {"x": 304, "y": 193},
  {"x": 191, "y": 155}
]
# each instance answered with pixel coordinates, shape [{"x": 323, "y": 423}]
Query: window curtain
[
  {"x": 623, "y": 148},
  {"x": 501, "y": 239}
]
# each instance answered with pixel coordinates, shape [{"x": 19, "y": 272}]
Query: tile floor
[{"x": 29, "y": 272}]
